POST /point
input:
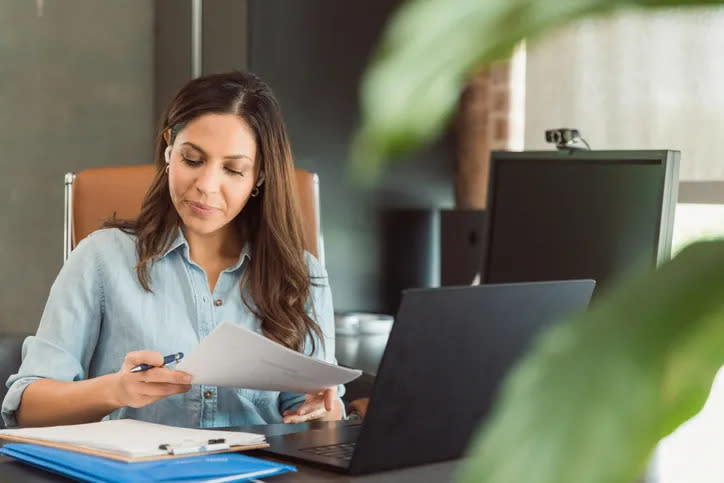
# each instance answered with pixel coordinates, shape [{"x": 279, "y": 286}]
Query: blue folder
[{"x": 83, "y": 467}]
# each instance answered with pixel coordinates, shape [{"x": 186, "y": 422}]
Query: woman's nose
[{"x": 209, "y": 180}]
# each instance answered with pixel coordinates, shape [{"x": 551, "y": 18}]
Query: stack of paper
[{"x": 234, "y": 356}]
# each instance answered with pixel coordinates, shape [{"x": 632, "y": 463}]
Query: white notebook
[
  {"x": 234, "y": 356},
  {"x": 132, "y": 439}
]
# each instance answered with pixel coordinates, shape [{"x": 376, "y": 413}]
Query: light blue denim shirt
[{"x": 97, "y": 312}]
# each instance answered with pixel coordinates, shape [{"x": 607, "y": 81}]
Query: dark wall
[
  {"x": 76, "y": 91},
  {"x": 224, "y": 28},
  {"x": 171, "y": 51},
  {"x": 313, "y": 53}
]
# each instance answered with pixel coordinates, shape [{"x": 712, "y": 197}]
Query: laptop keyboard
[{"x": 340, "y": 450}]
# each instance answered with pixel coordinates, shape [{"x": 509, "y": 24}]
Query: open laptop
[{"x": 447, "y": 353}]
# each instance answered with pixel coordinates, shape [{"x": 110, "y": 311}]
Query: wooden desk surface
[{"x": 12, "y": 471}]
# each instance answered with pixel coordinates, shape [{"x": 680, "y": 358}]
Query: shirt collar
[
  {"x": 180, "y": 241},
  {"x": 245, "y": 253}
]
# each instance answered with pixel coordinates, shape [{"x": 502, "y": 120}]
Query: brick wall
[{"x": 489, "y": 117}]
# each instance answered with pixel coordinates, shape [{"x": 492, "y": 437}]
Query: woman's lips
[{"x": 201, "y": 209}]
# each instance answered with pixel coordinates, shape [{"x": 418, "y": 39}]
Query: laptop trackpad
[
  {"x": 332, "y": 444},
  {"x": 340, "y": 433}
]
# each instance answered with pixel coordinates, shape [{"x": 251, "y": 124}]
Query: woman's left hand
[{"x": 323, "y": 405}]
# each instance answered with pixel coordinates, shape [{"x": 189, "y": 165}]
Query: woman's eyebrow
[{"x": 231, "y": 156}]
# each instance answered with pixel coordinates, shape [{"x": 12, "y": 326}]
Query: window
[{"x": 641, "y": 79}]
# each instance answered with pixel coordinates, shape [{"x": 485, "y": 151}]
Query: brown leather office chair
[{"x": 96, "y": 194}]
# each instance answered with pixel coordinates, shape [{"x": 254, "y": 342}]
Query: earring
[{"x": 255, "y": 192}]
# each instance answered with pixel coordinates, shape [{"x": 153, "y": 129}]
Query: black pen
[{"x": 166, "y": 360}]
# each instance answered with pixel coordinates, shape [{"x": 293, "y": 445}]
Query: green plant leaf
[
  {"x": 596, "y": 393},
  {"x": 427, "y": 53}
]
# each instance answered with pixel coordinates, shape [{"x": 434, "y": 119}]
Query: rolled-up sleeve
[
  {"x": 320, "y": 309},
  {"x": 68, "y": 332}
]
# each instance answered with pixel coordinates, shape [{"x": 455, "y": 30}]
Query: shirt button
[
  {"x": 218, "y": 302},
  {"x": 208, "y": 394}
]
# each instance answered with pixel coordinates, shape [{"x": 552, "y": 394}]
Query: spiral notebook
[{"x": 130, "y": 440}]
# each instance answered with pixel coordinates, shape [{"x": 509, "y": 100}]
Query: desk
[{"x": 12, "y": 471}]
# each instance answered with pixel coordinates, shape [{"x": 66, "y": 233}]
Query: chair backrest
[{"x": 96, "y": 194}]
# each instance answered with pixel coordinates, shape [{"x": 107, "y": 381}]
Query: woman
[{"x": 218, "y": 239}]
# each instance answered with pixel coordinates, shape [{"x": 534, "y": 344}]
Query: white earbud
[{"x": 167, "y": 154}]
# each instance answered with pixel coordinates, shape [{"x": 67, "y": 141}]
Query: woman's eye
[
  {"x": 234, "y": 172},
  {"x": 191, "y": 162}
]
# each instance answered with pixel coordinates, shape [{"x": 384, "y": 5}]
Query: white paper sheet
[
  {"x": 234, "y": 356},
  {"x": 132, "y": 438}
]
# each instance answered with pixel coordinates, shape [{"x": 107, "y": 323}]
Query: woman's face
[{"x": 212, "y": 171}]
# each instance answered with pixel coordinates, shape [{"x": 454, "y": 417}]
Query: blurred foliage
[
  {"x": 595, "y": 394},
  {"x": 429, "y": 50}
]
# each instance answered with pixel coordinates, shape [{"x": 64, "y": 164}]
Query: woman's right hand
[{"x": 141, "y": 388}]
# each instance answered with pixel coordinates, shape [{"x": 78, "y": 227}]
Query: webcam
[{"x": 566, "y": 138}]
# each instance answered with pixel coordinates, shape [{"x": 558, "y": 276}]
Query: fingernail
[{"x": 187, "y": 379}]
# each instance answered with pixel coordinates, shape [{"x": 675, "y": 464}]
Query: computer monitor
[{"x": 557, "y": 215}]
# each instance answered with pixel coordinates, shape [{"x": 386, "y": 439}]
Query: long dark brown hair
[{"x": 276, "y": 277}]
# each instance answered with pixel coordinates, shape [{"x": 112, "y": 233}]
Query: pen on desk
[
  {"x": 212, "y": 445},
  {"x": 166, "y": 360}
]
